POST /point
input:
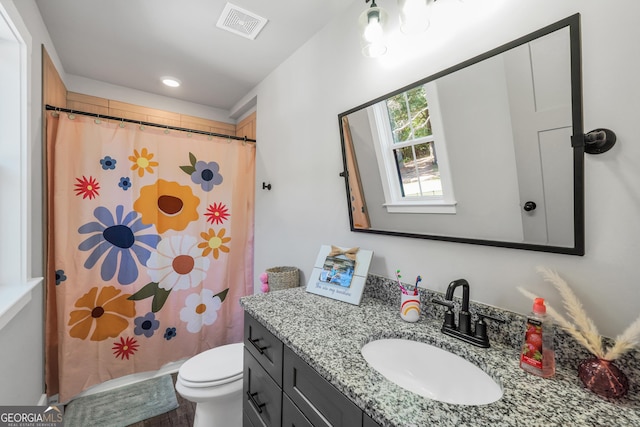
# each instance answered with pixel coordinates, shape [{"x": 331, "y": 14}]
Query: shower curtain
[{"x": 150, "y": 246}]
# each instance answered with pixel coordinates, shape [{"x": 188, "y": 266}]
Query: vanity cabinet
[{"x": 281, "y": 389}]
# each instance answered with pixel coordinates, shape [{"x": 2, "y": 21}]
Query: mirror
[{"x": 487, "y": 152}]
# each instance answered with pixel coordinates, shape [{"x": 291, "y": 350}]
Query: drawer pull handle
[
  {"x": 259, "y": 348},
  {"x": 254, "y": 402}
]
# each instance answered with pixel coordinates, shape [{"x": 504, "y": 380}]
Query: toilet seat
[{"x": 215, "y": 367}]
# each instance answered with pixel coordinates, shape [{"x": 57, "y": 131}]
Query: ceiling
[{"x": 134, "y": 43}]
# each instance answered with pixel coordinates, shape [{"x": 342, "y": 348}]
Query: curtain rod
[{"x": 141, "y": 123}]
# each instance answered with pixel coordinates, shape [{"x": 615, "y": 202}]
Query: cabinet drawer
[
  {"x": 262, "y": 398},
  {"x": 264, "y": 346},
  {"x": 317, "y": 399},
  {"x": 291, "y": 415}
]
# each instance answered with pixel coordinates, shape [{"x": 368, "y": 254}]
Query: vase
[{"x": 603, "y": 378}]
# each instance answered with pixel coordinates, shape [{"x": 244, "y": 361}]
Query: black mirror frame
[{"x": 577, "y": 142}]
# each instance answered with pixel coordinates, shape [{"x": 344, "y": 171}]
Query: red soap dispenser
[{"x": 537, "y": 356}]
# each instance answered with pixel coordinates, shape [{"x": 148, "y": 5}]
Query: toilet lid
[{"x": 218, "y": 365}]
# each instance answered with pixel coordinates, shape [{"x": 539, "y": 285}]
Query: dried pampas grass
[
  {"x": 582, "y": 328},
  {"x": 624, "y": 342}
]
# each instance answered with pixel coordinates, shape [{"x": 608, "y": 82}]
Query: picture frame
[{"x": 340, "y": 273}]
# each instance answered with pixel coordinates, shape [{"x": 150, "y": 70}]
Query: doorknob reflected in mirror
[
  {"x": 530, "y": 206},
  {"x": 599, "y": 141}
]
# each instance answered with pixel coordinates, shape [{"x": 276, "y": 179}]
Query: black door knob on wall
[{"x": 530, "y": 206}]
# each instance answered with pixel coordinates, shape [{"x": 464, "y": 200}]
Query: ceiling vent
[{"x": 240, "y": 21}]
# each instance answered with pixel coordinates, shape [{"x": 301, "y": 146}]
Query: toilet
[{"x": 213, "y": 380}]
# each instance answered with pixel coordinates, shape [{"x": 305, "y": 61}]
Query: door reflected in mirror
[{"x": 487, "y": 152}]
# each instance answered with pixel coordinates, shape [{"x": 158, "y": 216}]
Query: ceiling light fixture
[
  {"x": 372, "y": 30},
  {"x": 414, "y": 16},
  {"x": 171, "y": 81},
  {"x": 414, "y": 19}
]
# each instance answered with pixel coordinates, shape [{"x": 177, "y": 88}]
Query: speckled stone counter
[{"x": 329, "y": 334}]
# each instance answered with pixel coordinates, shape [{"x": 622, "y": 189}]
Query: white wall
[{"x": 299, "y": 154}]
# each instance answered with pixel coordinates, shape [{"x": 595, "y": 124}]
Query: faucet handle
[
  {"x": 449, "y": 322},
  {"x": 447, "y": 304},
  {"x": 481, "y": 318},
  {"x": 481, "y": 327}
]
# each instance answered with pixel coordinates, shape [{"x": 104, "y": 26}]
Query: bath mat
[{"x": 124, "y": 405}]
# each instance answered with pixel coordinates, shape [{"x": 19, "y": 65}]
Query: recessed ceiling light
[{"x": 171, "y": 81}]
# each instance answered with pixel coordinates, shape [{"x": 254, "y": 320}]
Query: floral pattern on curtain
[{"x": 151, "y": 240}]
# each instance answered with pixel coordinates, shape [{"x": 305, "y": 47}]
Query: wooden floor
[{"x": 182, "y": 416}]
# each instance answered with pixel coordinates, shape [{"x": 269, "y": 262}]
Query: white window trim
[
  {"x": 425, "y": 206},
  {"x": 15, "y": 283},
  {"x": 382, "y": 137},
  {"x": 15, "y": 298}
]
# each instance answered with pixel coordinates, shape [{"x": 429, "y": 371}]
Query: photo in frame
[{"x": 340, "y": 273}]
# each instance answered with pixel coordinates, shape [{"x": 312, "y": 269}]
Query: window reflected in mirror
[
  {"x": 413, "y": 143},
  {"x": 410, "y": 152}
]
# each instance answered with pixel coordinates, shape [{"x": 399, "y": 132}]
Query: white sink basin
[{"x": 431, "y": 372}]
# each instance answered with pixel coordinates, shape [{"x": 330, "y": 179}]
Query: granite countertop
[{"x": 329, "y": 334}]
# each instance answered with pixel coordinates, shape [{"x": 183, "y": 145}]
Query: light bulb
[{"x": 373, "y": 32}]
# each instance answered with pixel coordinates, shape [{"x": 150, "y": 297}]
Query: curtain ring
[
  {"x": 188, "y": 134},
  {"x": 97, "y": 120},
  {"x": 210, "y": 137},
  {"x": 71, "y": 115},
  {"x": 244, "y": 141},
  {"x": 141, "y": 126},
  {"x": 122, "y": 125},
  {"x": 166, "y": 131},
  {"x": 55, "y": 113}
]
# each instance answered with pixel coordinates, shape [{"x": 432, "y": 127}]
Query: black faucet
[
  {"x": 464, "y": 318},
  {"x": 463, "y": 331}
]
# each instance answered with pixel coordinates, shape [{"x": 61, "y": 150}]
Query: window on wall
[
  {"x": 15, "y": 280},
  {"x": 411, "y": 152}
]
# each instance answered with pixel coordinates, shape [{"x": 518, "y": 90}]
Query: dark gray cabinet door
[
  {"x": 317, "y": 399},
  {"x": 291, "y": 415},
  {"x": 262, "y": 398}
]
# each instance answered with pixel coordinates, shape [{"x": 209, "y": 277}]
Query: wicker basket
[{"x": 283, "y": 278}]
